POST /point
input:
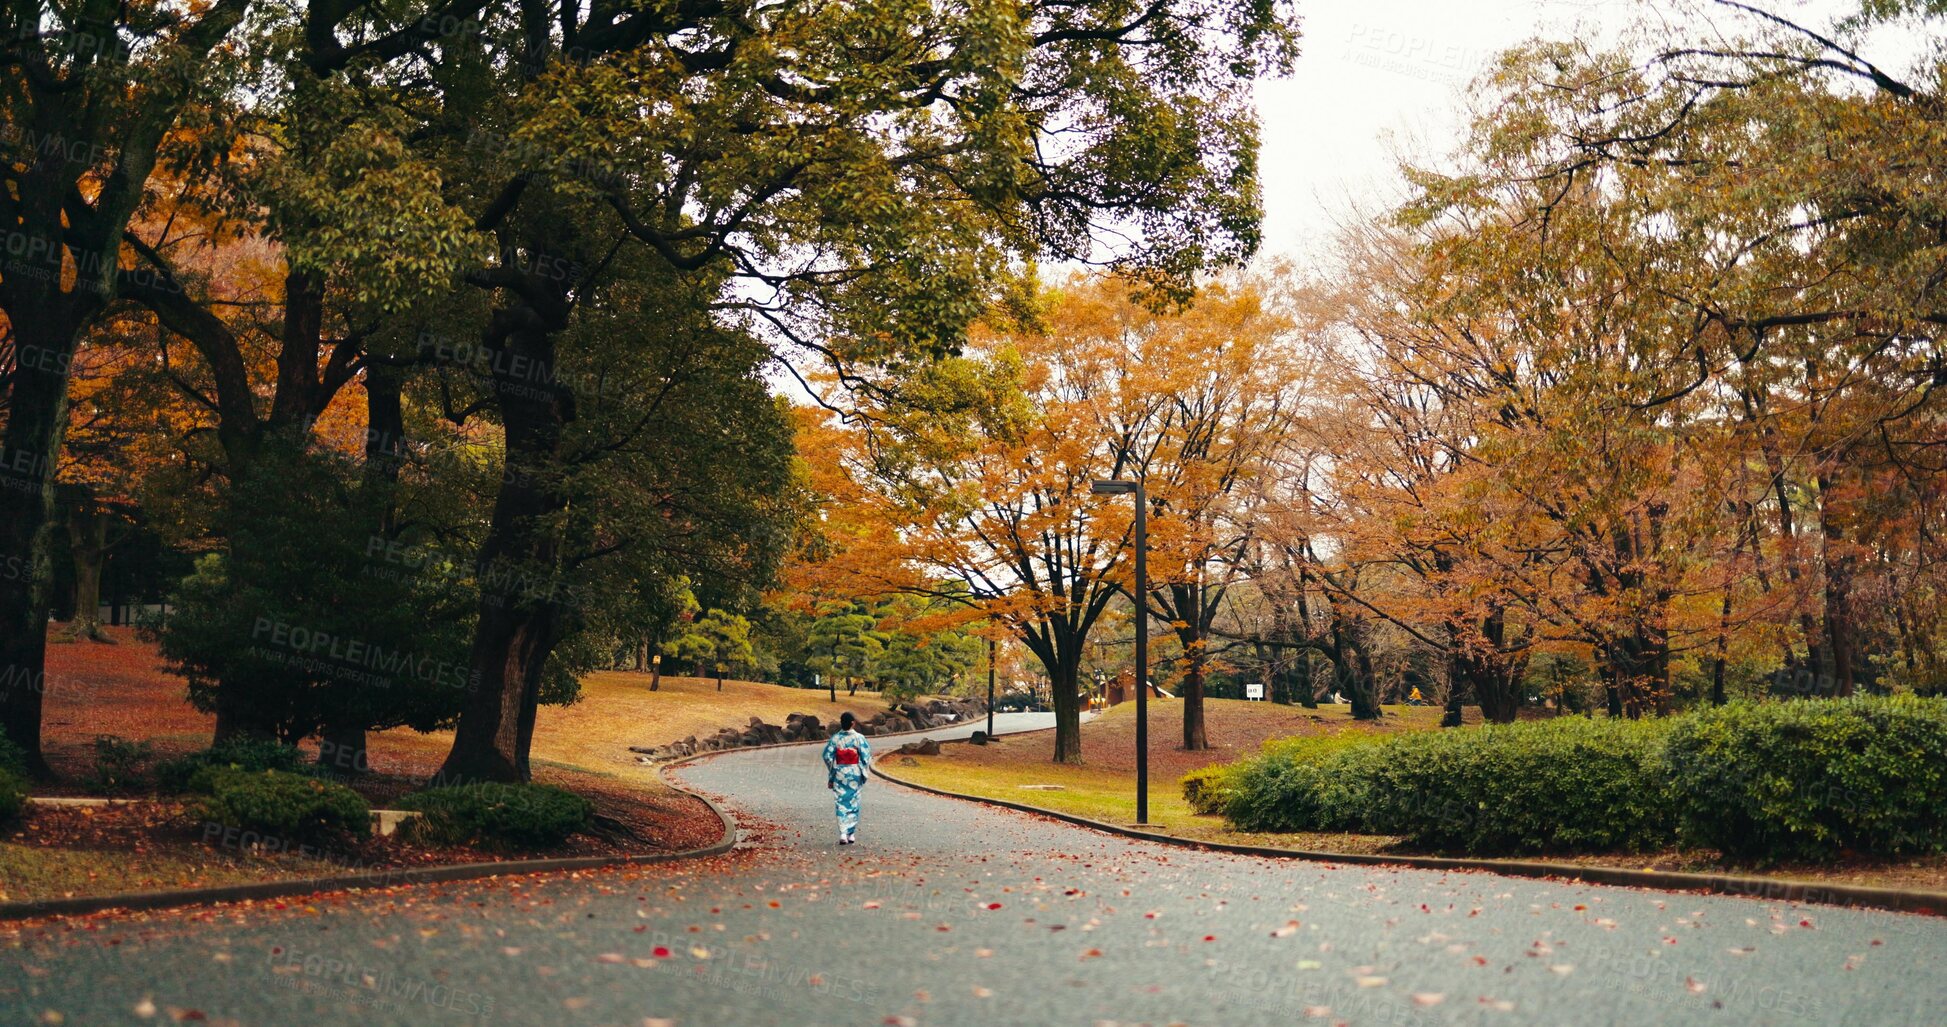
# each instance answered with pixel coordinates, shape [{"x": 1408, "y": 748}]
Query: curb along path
[
  {"x": 169, "y": 898},
  {"x": 1846, "y": 895}
]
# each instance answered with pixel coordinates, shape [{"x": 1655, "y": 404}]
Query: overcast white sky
[{"x": 1380, "y": 77}]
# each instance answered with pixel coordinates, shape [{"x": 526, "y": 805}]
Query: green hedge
[
  {"x": 1805, "y": 779},
  {"x": 525, "y": 816},
  {"x": 1552, "y": 785},
  {"x": 1531, "y": 787},
  {"x": 281, "y": 806},
  {"x": 12, "y": 757},
  {"x": 190, "y": 773},
  {"x": 1814, "y": 778},
  {"x": 13, "y": 794},
  {"x": 1283, "y": 789}
]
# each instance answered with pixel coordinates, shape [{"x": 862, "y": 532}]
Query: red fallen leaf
[
  {"x": 1807, "y": 924},
  {"x": 641, "y": 928},
  {"x": 943, "y": 928},
  {"x": 1209, "y": 937},
  {"x": 993, "y": 905},
  {"x": 1580, "y": 907},
  {"x": 1480, "y": 960},
  {"x": 660, "y": 952},
  {"x": 1092, "y": 954}
]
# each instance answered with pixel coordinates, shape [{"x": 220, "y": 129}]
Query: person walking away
[{"x": 848, "y": 756}]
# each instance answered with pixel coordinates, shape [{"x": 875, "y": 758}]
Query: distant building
[{"x": 1121, "y": 690}]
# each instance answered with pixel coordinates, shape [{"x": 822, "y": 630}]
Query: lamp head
[{"x": 1111, "y": 487}]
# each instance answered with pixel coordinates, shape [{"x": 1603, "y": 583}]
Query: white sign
[{"x": 1254, "y": 690}]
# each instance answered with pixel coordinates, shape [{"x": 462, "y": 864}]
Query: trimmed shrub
[
  {"x": 13, "y": 794},
  {"x": 526, "y": 816},
  {"x": 118, "y": 763},
  {"x": 282, "y": 806},
  {"x": 188, "y": 773},
  {"x": 1548, "y": 785},
  {"x": 12, "y": 758},
  {"x": 1286, "y": 787},
  {"x": 1207, "y": 789},
  {"x": 1813, "y": 778},
  {"x": 1569, "y": 783}
]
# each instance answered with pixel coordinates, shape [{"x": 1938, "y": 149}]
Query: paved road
[{"x": 950, "y": 913}]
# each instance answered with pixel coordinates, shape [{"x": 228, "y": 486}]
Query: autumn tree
[
  {"x": 90, "y": 94},
  {"x": 854, "y": 180},
  {"x": 1230, "y": 382}
]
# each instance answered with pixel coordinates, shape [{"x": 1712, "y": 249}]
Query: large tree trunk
[
  {"x": 342, "y": 749},
  {"x": 520, "y": 619},
  {"x": 1188, "y": 602},
  {"x": 1064, "y": 679},
  {"x": 37, "y": 418},
  {"x": 1491, "y": 672},
  {"x": 1839, "y": 561},
  {"x": 1353, "y": 666},
  {"x": 88, "y": 545},
  {"x": 1194, "y": 736}
]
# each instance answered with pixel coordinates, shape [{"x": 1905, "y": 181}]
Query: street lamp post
[
  {"x": 990, "y": 688},
  {"x": 1140, "y": 597}
]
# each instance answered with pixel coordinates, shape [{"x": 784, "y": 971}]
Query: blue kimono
[{"x": 847, "y": 758}]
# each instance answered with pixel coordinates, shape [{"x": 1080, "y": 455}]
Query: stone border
[
  {"x": 133, "y": 901},
  {"x": 1900, "y": 900}
]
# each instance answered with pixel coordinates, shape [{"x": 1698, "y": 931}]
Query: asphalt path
[{"x": 949, "y": 912}]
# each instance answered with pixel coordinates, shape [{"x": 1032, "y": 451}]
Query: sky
[{"x": 1378, "y": 78}]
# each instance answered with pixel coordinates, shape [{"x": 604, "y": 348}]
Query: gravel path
[{"x": 954, "y": 913}]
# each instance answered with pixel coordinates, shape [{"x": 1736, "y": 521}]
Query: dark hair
[{"x": 845, "y": 721}]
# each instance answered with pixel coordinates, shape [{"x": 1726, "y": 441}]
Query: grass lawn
[
  {"x": 121, "y": 690},
  {"x": 1103, "y": 787}
]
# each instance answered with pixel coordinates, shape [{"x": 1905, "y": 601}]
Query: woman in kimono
[{"x": 847, "y": 758}]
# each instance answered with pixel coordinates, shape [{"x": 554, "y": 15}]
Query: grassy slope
[{"x": 1103, "y": 787}]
